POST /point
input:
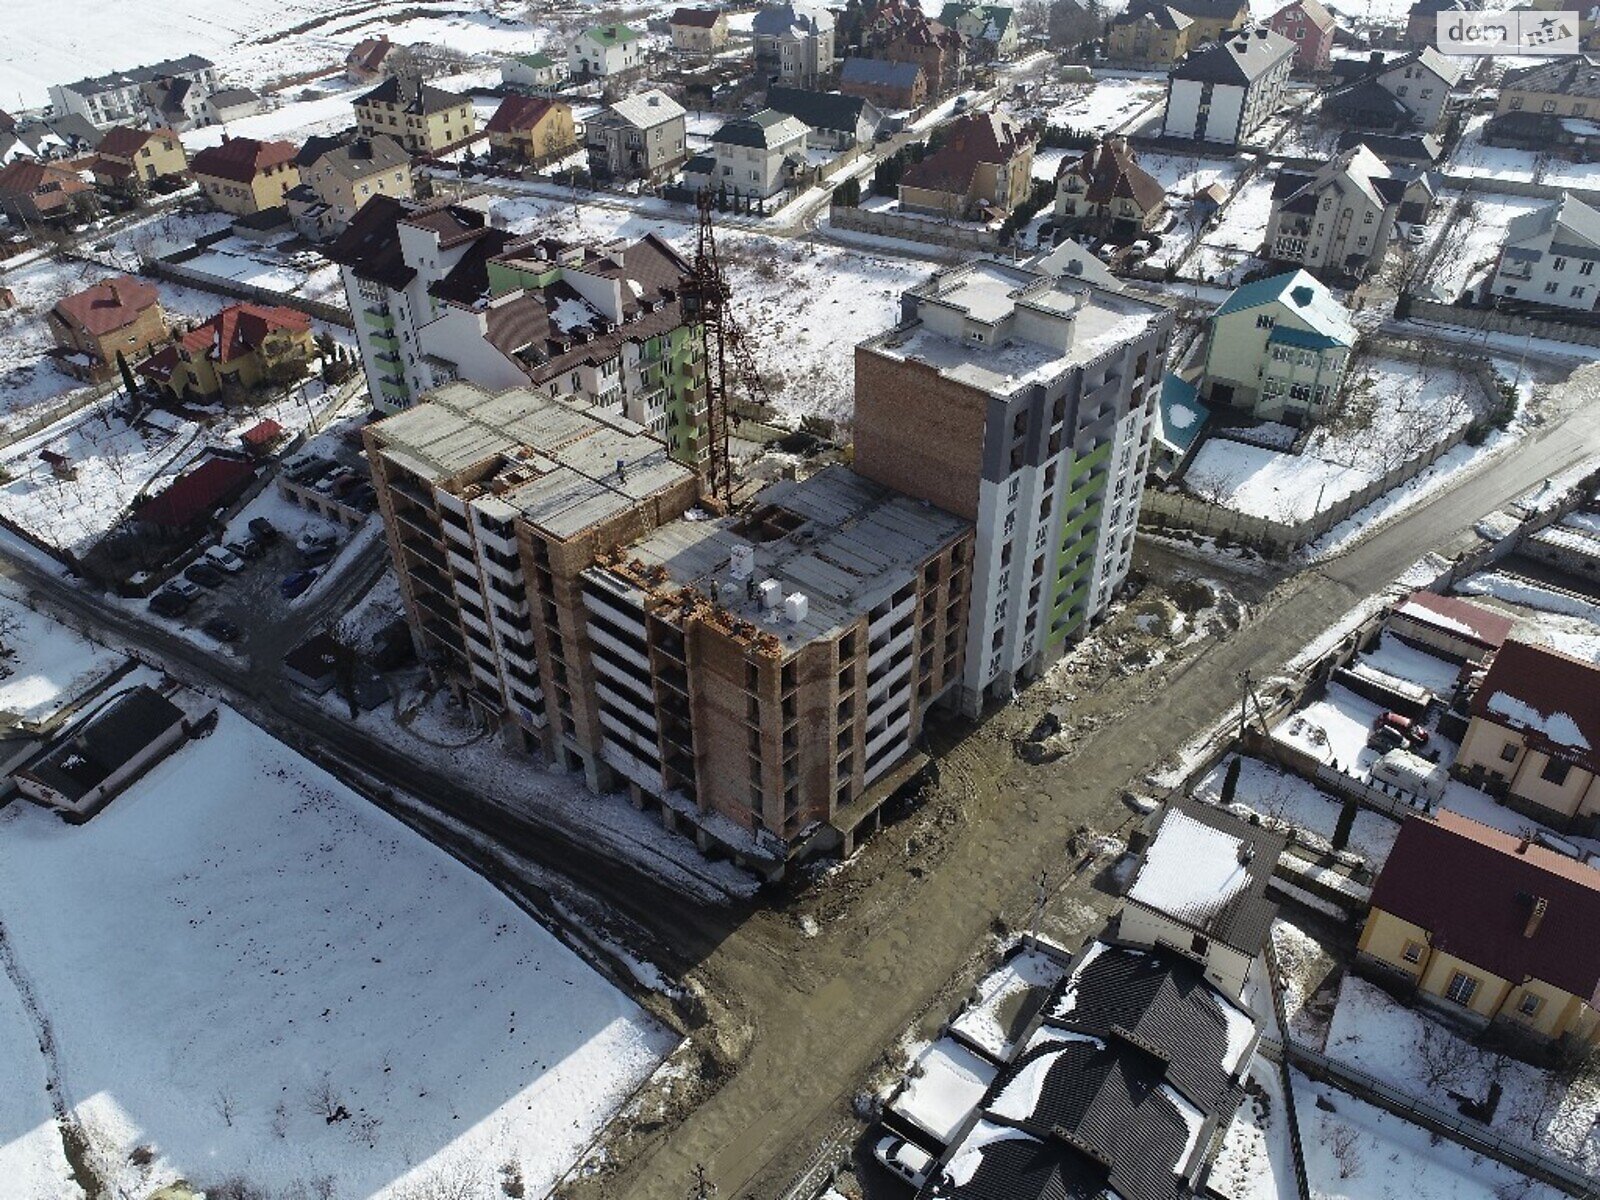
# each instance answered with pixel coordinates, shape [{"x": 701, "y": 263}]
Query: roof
[
  {"x": 1162, "y": 16},
  {"x": 1474, "y": 889},
  {"x": 1577, "y": 76},
  {"x": 1214, "y": 10},
  {"x": 314, "y": 658},
  {"x": 800, "y": 20},
  {"x": 194, "y": 495},
  {"x": 822, "y": 110},
  {"x": 1181, "y": 414},
  {"x": 1395, "y": 147},
  {"x": 879, "y": 72},
  {"x": 370, "y": 244},
  {"x": 697, "y": 18},
  {"x": 611, "y": 35},
  {"x": 1110, "y": 171},
  {"x": 95, "y": 749},
  {"x": 229, "y": 97},
  {"x": 538, "y": 61},
  {"x": 1209, "y": 870},
  {"x": 1313, "y": 11},
  {"x": 239, "y": 330},
  {"x": 1572, "y": 226},
  {"x": 124, "y": 141},
  {"x": 189, "y": 64},
  {"x": 241, "y": 159},
  {"x": 107, "y": 306},
  {"x": 1458, "y": 618},
  {"x": 978, "y": 137},
  {"x": 764, "y": 130},
  {"x": 521, "y": 112},
  {"x": 25, "y": 177},
  {"x": 419, "y": 99},
  {"x": 996, "y": 17},
  {"x": 1301, "y": 294},
  {"x": 644, "y": 110},
  {"x": 1553, "y": 699},
  {"x": 261, "y": 433},
  {"x": 1242, "y": 58},
  {"x": 368, "y": 54}
]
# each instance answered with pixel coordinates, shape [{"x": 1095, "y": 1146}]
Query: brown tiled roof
[
  {"x": 241, "y": 159},
  {"x": 108, "y": 306},
  {"x": 699, "y": 18},
  {"x": 124, "y": 141},
  {"x": 239, "y": 330},
  {"x": 1552, "y": 699},
  {"x": 24, "y": 177},
  {"x": 1458, "y": 617},
  {"x": 1110, "y": 172},
  {"x": 368, "y": 54},
  {"x": 1474, "y": 890},
  {"x": 519, "y": 112},
  {"x": 976, "y": 138}
]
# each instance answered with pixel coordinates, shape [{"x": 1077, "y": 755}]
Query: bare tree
[
  {"x": 326, "y": 1102},
  {"x": 1344, "y": 1143},
  {"x": 225, "y": 1106},
  {"x": 1445, "y": 1057}
]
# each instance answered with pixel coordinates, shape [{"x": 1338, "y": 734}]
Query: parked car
[
  {"x": 263, "y": 530},
  {"x": 168, "y": 603},
  {"x": 296, "y": 584},
  {"x": 183, "y": 587},
  {"x": 312, "y": 466},
  {"x": 1412, "y": 235},
  {"x": 329, "y": 484},
  {"x": 222, "y": 557},
  {"x": 247, "y": 547},
  {"x": 347, "y": 482},
  {"x": 1385, "y": 738},
  {"x": 204, "y": 574},
  {"x": 221, "y": 628},
  {"x": 899, "y": 1156},
  {"x": 1405, "y": 727}
]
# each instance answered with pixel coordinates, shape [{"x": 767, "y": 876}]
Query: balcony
[{"x": 425, "y": 551}]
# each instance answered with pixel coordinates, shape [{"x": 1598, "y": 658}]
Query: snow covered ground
[
  {"x": 1390, "y": 411},
  {"x": 1256, "y": 1161},
  {"x": 1227, "y": 250},
  {"x": 1527, "y": 593},
  {"x": 47, "y": 667},
  {"x": 990, "y": 1021},
  {"x": 1472, "y": 241},
  {"x": 1270, "y": 483},
  {"x": 253, "y": 973},
  {"x": 33, "y": 1163},
  {"x": 1104, "y": 106}
]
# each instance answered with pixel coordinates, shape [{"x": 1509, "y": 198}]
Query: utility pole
[{"x": 1244, "y": 700}]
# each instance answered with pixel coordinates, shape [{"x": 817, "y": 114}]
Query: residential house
[
  {"x": 1310, "y": 27},
  {"x": 174, "y": 101},
  {"x": 1150, "y": 34},
  {"x": 1449, "y": 627},
  {"x": 889, "y": 85},
  {"x": 468, "y": 301},
  {"x": 1201, "y": 890},
  {"x": 36, "y": 193},
  {"x": 422, "y": 118},
  {"x": 1549, "y": 256},
  {"x": 536, "y": 72},
  {"x": 1213, "y": 18},
  {"x": 121, "y": 315},
  {"x": 989, "y": 31},
  {"x": 531, "y": 129},
  {"x": 834, "y": 119},
  {"x": 1395, "y": 95},
  {"x": 1418, "y": 149},
  {"x": 752, "y": 157},
  {"x": 700, "y": 31},
  {"x": 368, "y": 59},
  {"x": 1023, "y": 402},
  {"x": 1223, "y": 91},
  {"x": 231, "y": 104},
  {"x": 118, "y": 97},
  {"x": 1422, "y": 22},
  {"x": 605, "y": 52},
  {"x": 243, "y": 348},
  {"x": 49, "y": 138},
  {"x": 129, "y": 160},
  {"x": 1552, "y": 104},
  {"x": 1339, "y": 218},
  {"x": 641, "y": 137},
  {"x": 1180, "y": 419},
  {"x": 1122, "y": 1084},
  {"x": 794, "y": 43},
  {"x": 984, "y": 167},
  {"x": 1279, "y": 349},
  {"x": 244, "y": 176},
  {"x": 1108, "y": 192},
  {"x": 340, "y": 174},
  {"x": 1532, "y": 734},
  {"x": 96, "y": 758},
  {"x": 937, "y": 50},
  {"x": 1490, "y": 928},
  {"x": 1071, "y": 23}
]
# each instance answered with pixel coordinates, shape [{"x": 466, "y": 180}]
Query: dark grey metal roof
[
  {"x": 1241, "y": 58},
  {"x": 822, "y": 110},
  {"x": 103, "y": 744}
]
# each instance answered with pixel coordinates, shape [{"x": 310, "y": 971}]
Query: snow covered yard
[
  {"x": 1410, "y": 1050},
  {"x": 1271, "y": 484},
  {"x": 33, "y": 1162},
  {"x": 1390, "y": 411},
  {"x": 47, "y": 666},
  {"x": 253, "y": 973},
  {"x": 1476, "y": 159},
  {"x": 1101, "y": 107},
  {"x": 1472, "y": 239},
  {"x": 1228, "y": 249},
  {"x": 1256, "y": 1161}
]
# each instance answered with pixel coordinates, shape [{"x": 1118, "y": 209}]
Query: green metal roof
[{"x": 611, "y": 35}]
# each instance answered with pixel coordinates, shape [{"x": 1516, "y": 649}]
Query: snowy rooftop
[{"x": 946, "y": 1082}]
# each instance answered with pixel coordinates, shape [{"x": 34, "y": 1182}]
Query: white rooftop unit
[
  {"x": 796, "y": 607},
  {"x": 771, "y": 594},
  {"x": 742, "y": 560}
]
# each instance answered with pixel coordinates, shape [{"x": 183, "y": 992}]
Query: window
[
  {"x": 1555, "y": 771},
  {"x": 1577, "y": 292},
  {"x": 1264, "y": 321},
  {"x": 1530, "y": 1004},
  {"x": 1516, "y": 103},
  {"x": 1548, "y": 106},
  {"x": 1462, "y": 989},
  {"x": 1508, "y": 752},
  {"x": 1412, "y": 952},
  {"x": 1560, "y": 264},
  {"x": 1551, "y": 288},
  {"x": 1586, "y": 267}
]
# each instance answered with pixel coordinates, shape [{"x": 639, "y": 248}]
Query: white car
[
  {"x": 224, "y": 559},
  {"x": 1413, "y": 234},
  {"x": 900, "y": 1157}
]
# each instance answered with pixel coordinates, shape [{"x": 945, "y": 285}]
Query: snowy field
[
  {"x": 1475, "y": 159},
  {"x": 289, "y": 986},
  {"x": 33, "y": 1163},
  {"x": 1104, "y": 106},
  {"x": 1270, "y": 483},
  {"x": 1228, "y": 249}
]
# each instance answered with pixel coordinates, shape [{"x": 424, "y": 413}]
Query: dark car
[
  {"x": 263, "y": 530},
  {"x": 1384, "y": 739},
  {"x": 296, "y": 584},
  {"x": 222, "y": 629},
  {"x": 204, "y": 574},
  {"x": 363, "y": 498},
  {"x": 168, "y": 603}
]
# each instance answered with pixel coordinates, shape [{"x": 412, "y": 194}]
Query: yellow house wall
[
  {"x": 1577, "y": 795},
  {"x": 1385, "y": 937}
]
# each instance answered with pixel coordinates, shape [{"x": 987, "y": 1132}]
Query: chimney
[
  {"x": 116, "y": 296},
  {"x": 1540, "y": 904},
  {"x": 1527, "y": 840},
  {"x": 622, "y": 470}
]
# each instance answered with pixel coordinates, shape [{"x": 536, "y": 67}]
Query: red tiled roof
[
  {"x": 107, "y": 306},
  {"x": 214, "y": 482},
  {"x": 519, "y": 113},
  {"x": 261, "y": 433},
  {"x": 124, "y": 141},
  {"x": 369, "y": 53},
  {"x": 976, "y": 138},
  {"x": 1552, "y": 699},
  {"x": 241, "y": 159},
  {"x": 238, "y": 330},
  {"x": 699, "y": 18},
  {"x": 1457, "y": 617},
  {"x": 1474, "y": 888},
  {"x": 160, "y": 365}
]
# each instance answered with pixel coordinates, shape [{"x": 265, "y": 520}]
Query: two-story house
[
  {"x": 537, "y": 72},
  {"x": 793, "y": 43},
  {"x": 989, "y": 31},
  {"x": 1550, "y": 105},
  {"x": 1279, "y": 349},
  {"x": 129, "y": 160},
  {"x": 1213, "y": 18},
  {"x": 698, "y": 31},
  {"x": 752, "y": 157},
  {"x": 1149, "y": 34},
  {"x": 35, "y": 193},
  {"x": 1223, "y": 91},
  {"x": 1488, "y": 927},
  {"x": 605, "y": 52},
  {"x": 242, "y": 348},
  {"x": 1310, "y": 27},
  {"x": 1549, "y": 257},
  {"x": 641, "y": 137},
  {"x": 368, "y": 59},
  {"x": 833, "y": 118},
  {"x": 1106, "y": 191},
  {"x": 890, "y": 85},
  {"x": 1532, "y": 734},
  {"x": 984, "y": 167},
  {"x": 340, "y": 174},
  {"x": 90, "y": 328},
  {"x": 422, "y": 118},
  {"x": 1406, "y": 94},
  {"x": 531, "y": 129},
  {"x": 1340, "y": 217},
  {"x": 243, "y": 175}
]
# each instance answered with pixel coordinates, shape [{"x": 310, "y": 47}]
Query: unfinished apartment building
[
  {"x": 439, "y": 293},
  {"x": 763, "y": 677},
  {"x": 1024, "y": 403}
]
